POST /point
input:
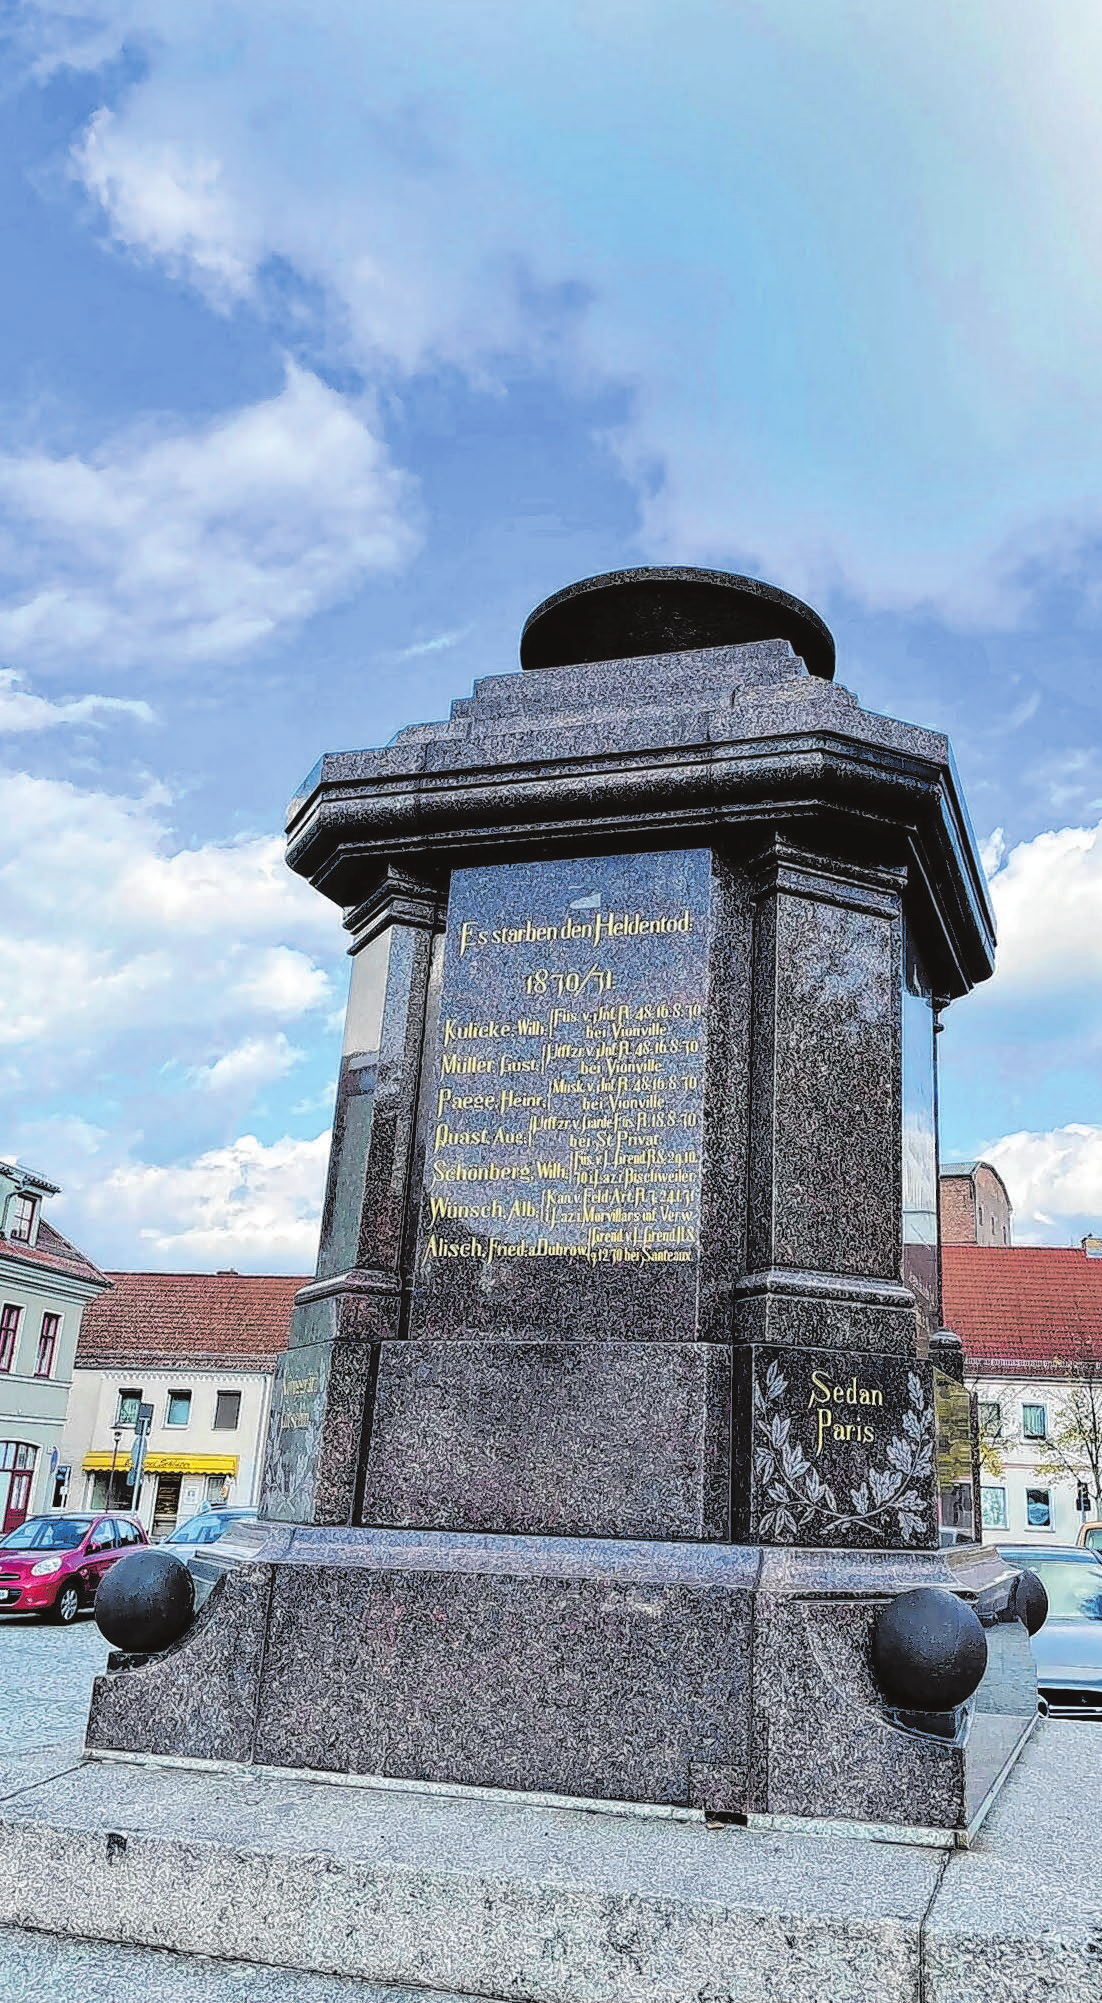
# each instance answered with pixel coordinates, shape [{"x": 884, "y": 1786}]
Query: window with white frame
[
  {"x": 1034, "y": 1422},
  {"x": 991, "y": 1418},
  {"x": 21, "y": 1216},
  {"x": 993, "y": 1508},
  {"x": 1038, "y": 1508},
  {"x": 10, "y": 1319},
  {"x": 129, "y": 1400},
  {"x": 178, "y": 1409},
  {"x": 47, "y": 1345}
]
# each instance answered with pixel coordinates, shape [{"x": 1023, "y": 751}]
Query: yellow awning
[{"x": 164, "y": 1463}]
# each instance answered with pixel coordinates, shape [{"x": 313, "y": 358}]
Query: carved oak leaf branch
[{"x": 799, "y": 1492}]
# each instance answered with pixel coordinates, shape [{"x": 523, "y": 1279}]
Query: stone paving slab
[
  {"x": 39, "y": 1968},
  {"x": 303, "y": 1889},
  {"x": 1019, "y": 1917},
  {"x": 550, "y": 1905}
]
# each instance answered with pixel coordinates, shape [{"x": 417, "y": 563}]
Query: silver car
[
  {"x": 1068, "y": 1648},
  {"x": 200, "y": 1532}
]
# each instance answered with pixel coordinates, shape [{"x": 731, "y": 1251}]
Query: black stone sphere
[
  {"x": 627, "y": 613},
  {"x": 1030, "y": 1601},
  {"x": 929, "y": 1651},
  {"x": 146, "y": 1601}
]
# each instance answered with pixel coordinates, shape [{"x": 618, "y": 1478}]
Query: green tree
[{"x": 1073, "y": 1447}]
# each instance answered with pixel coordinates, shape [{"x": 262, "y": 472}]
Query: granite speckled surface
[
  {"x": 614, "y": 1689},
  {"x": 198, "y": 1698},
  {"x": 592, "y": 1439}
]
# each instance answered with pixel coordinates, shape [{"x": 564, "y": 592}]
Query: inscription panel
[
  {"x": 565, "y": 1103},
  {"x": 841, "y": 1449}
]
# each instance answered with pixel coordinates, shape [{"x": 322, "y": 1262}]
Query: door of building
[
  {"x": 166, "y": 1509},
  {"x": 16, "y": 1475},
  {"x": 19, "y": 1501}
]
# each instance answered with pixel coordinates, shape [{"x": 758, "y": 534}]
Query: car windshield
[
  {"x": 1074, "y": 1590},
  {"x": 49, "y": 1533},
  {"x": 205, "y": 1529}
]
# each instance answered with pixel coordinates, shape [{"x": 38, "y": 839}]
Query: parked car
[
  {"x": 199, "y": 1532},
  {"x": 52, "y": 1565},
  {"x": 1091, "y": 1536},
  {"x": 1068, "y": 1648}
]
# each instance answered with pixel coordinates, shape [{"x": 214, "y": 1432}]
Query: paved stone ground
[
  {"x": 45, "y": 1683},
  {"x": 1015, "y": 1920},
  {"x": 45, "y": 1680}
]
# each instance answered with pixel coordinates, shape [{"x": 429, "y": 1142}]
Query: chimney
[{"x": 1092, "y": 1246}]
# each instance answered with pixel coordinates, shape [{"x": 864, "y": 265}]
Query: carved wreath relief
[{"x": 800, "y": 1483}]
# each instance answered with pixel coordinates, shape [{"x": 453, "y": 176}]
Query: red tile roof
[
  {"x": 1015, "y": 1307},
  {"x": 52, "y": 1254},
  {"x": 169, "y": 1318}
]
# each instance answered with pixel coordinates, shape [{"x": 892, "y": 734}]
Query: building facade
[
  {"x": 1030, "y": 1318},
  {"x": 46, "y": 1287},
  {"x": 201, "y": 1349},
  {"x": 975, "y": 1206}
]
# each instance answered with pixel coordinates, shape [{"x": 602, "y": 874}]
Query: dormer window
[{"x": 21, "y": 1219}]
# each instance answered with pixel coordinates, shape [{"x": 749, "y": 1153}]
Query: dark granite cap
[{"x": 626, "y": 613}]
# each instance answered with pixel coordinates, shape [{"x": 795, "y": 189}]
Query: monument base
[
  {"x": 296, "y": 1887},
  {"x": 728, "y": 1678}
]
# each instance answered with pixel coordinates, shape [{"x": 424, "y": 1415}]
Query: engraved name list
[{"x": 567, "y": 1109}]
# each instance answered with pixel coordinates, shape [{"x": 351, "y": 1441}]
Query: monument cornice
[{"x": 366, "y": 809}]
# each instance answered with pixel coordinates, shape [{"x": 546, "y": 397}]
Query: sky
[{"x": 335, "y": 335}]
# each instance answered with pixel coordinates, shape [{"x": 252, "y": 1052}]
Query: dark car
[
  {"x": 52, "y": 1565},
  {"x": 1068, "y": 1648}
]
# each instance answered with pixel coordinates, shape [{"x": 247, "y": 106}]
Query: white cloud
[
  {"x": 882, "y": 378},
  {"x": 112, "y": 934},
  {"x": 247, "y": 1205},
  {"x": 249, "y": 1066},
  {"x": 1051, "y": 1177},
  {"x": 1047, "y": 895},
  {"x": 22, "y": 711},
  {"x": 172, "y": 205},
  {"x": 185, "y": 547}
]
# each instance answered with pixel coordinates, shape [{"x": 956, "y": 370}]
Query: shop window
[{"x": 227, "y": 1411}]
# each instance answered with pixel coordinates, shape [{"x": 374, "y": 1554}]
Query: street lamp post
[{"x": 117, "y": 1436}]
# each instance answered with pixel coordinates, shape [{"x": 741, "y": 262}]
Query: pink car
[{"x": 52, "y": 1565}]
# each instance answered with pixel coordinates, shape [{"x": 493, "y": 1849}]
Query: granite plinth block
[
  {"x": 714, "y": 1676},
  {"x": 602, "y": 1439},
  {"x": 196, "y": 1700},
  {"x": 840, "y": 1447},
  {"x": 608, "y": 1688}
]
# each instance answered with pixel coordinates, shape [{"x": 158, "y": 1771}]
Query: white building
[
  {"x": 46, "y": 1286},
  {"x": 1030, "y": 1318},
  {"x": 201, "y": 1348}
]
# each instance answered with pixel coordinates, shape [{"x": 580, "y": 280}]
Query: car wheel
[{"x": 66, "y": 1606}]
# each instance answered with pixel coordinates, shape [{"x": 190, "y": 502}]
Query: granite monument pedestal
[{"x": 608, "y": 1426}]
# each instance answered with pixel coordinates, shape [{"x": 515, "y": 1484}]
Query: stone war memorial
[{"x": 610, "y": 1450}]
